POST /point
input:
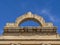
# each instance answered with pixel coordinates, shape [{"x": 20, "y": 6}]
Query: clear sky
[{"x": 11, "y": 9}]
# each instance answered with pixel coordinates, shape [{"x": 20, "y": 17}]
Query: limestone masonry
[{"x": 45, "y": 34}]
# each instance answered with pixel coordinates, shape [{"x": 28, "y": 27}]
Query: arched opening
[{"x": 30, "y": 22}]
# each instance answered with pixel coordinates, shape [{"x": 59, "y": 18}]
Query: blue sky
[{"x": 11, "y": 9}]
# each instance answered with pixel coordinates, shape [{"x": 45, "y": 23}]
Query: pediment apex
[{"x": 29, "y": 13}]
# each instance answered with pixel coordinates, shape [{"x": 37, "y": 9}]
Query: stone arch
[
  {"x": 30, "y": 16},
  {"x": 30, "y": 19}
]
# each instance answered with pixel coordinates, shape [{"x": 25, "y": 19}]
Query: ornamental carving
[{"x": 29, "y": 16}]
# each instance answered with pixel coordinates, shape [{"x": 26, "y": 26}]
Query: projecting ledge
[{"x": 31, "y": 37}]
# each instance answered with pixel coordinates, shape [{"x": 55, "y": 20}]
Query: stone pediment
[
  {"x": 42, "y": 28},
  {"x": 29, "y": 16}
]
